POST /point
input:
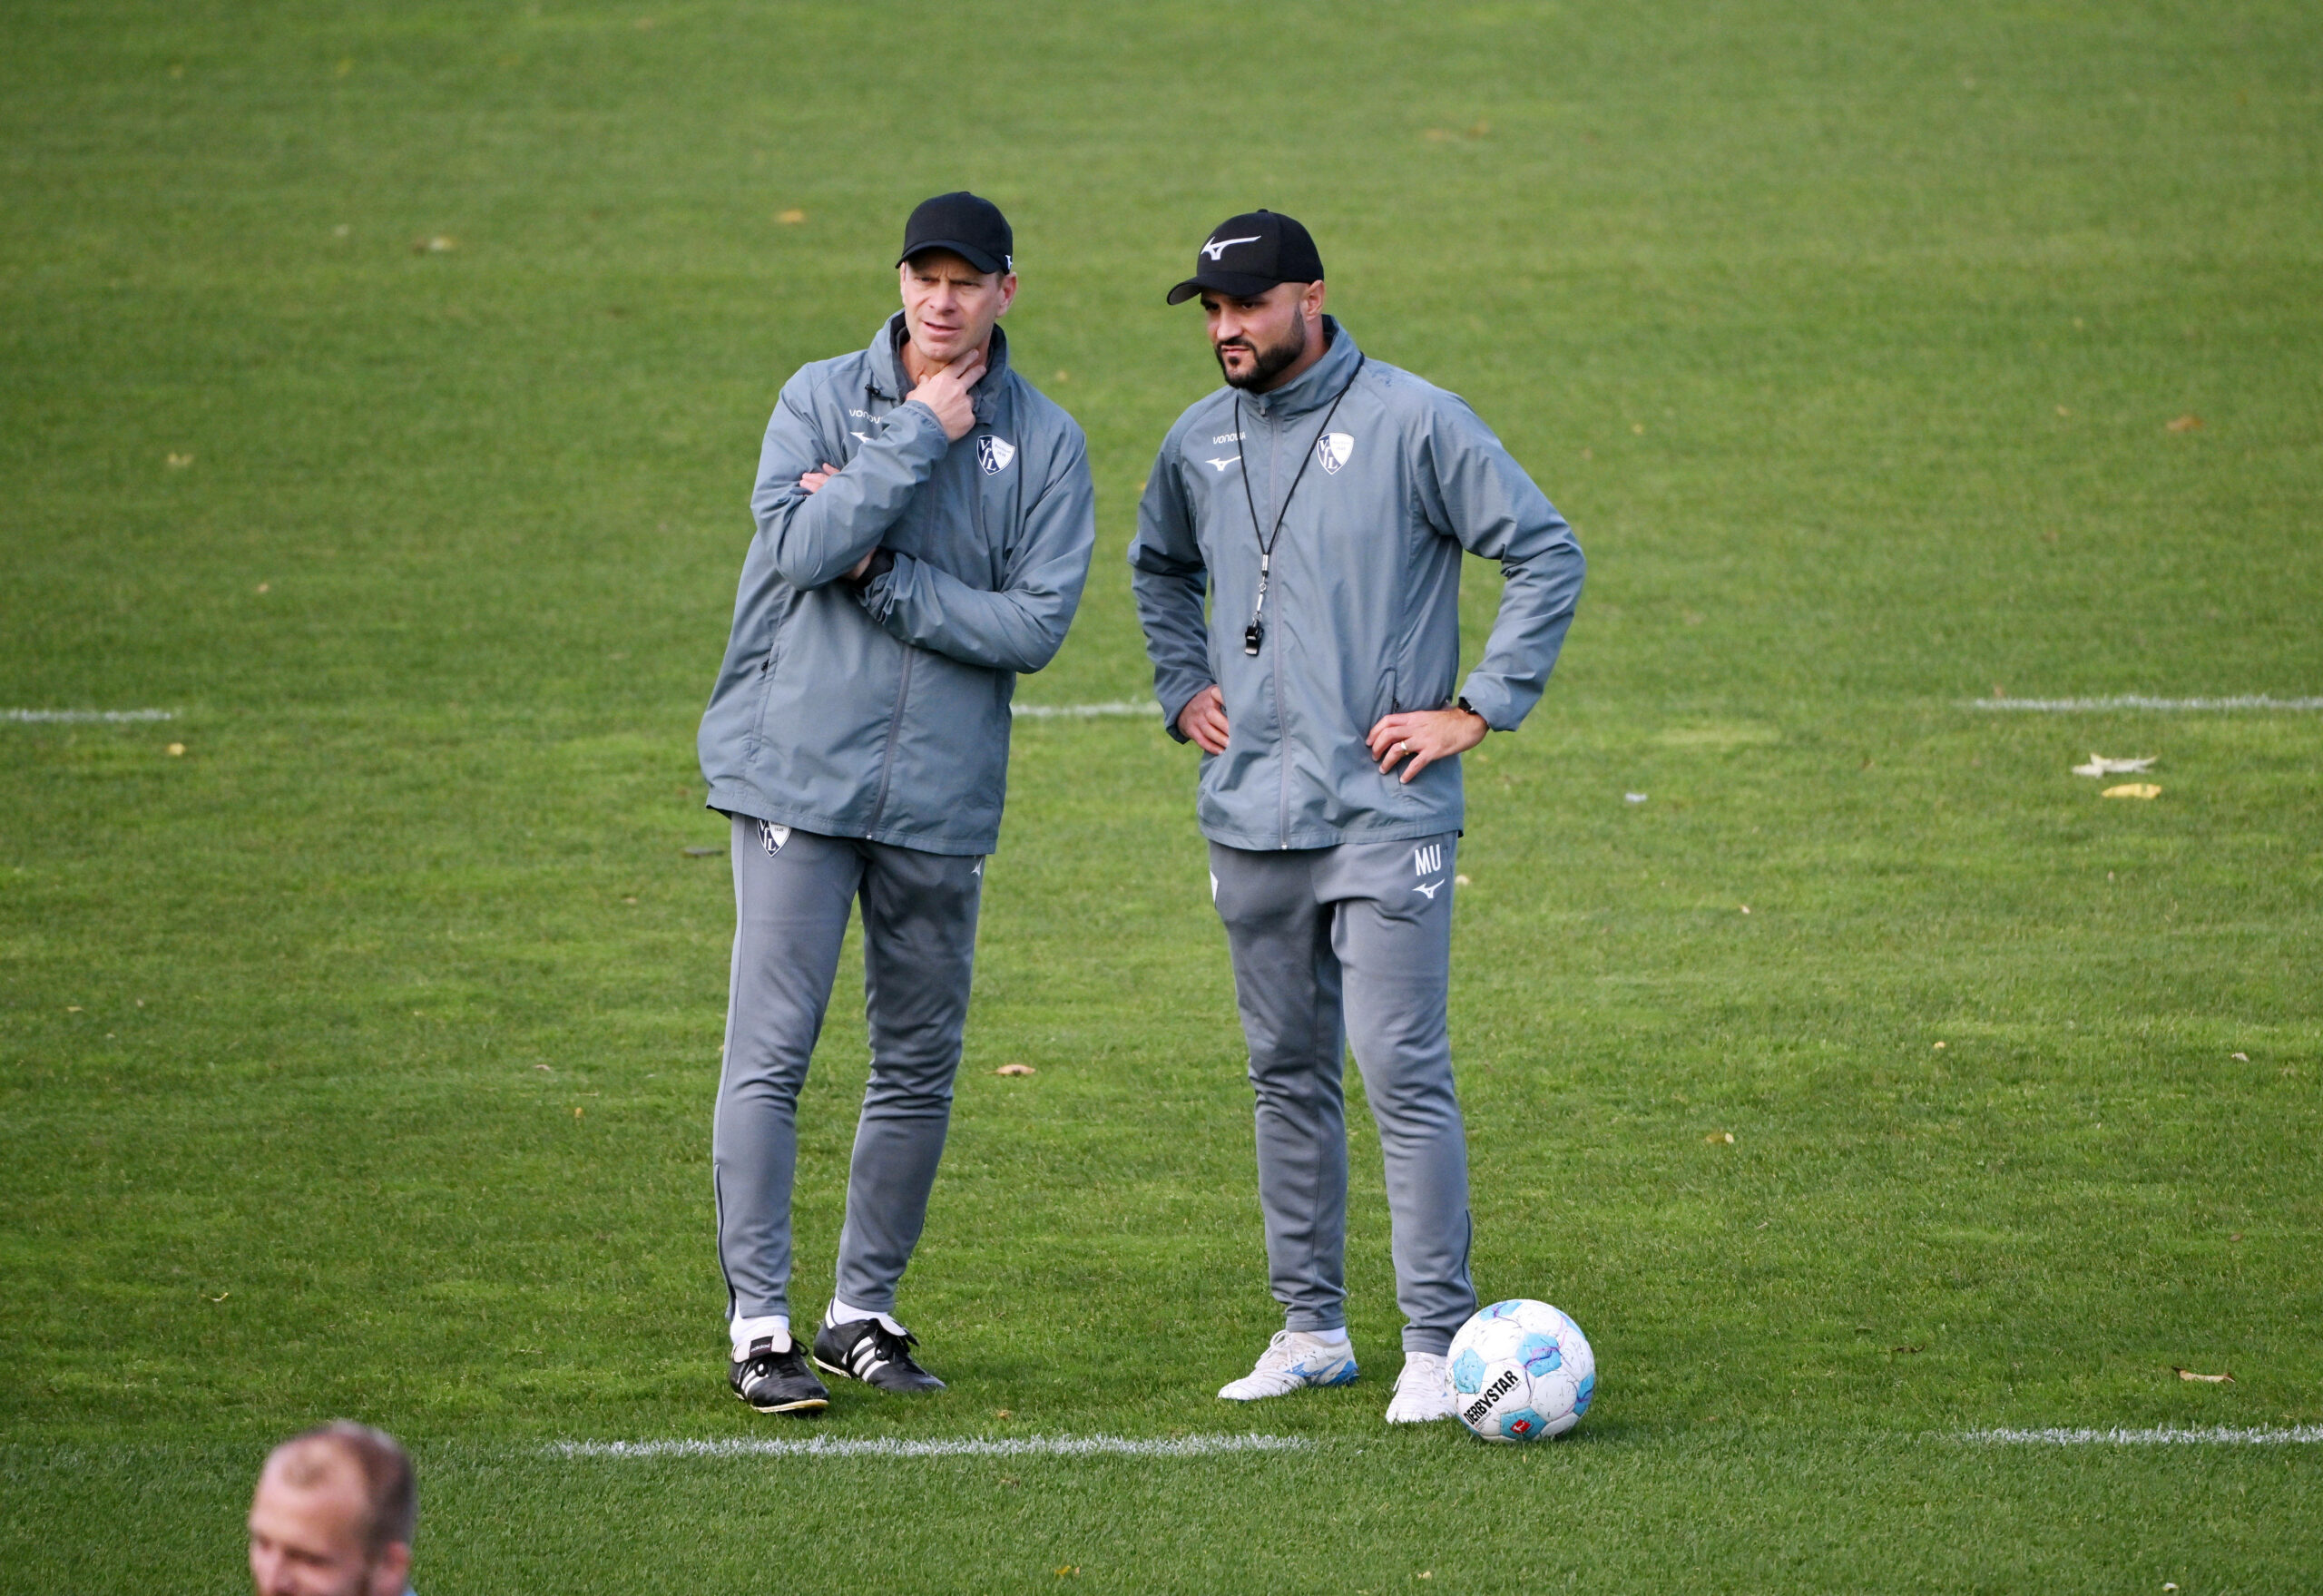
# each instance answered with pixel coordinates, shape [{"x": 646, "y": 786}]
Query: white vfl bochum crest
[
  {"x": 1334, "y": 449},
  {"x": 995, "y": 454}
]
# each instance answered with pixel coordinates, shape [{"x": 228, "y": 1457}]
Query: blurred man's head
[{"x": 334, "y": 1515}]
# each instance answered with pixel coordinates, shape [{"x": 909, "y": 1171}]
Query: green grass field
[{"x": 359, "y": 1060}]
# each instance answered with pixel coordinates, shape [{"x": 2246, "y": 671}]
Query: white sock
[
  {"x": 1337, "y": 1338},
  {"x": 843, "y": 1312},
  {"x": 774, "y": 1326}
]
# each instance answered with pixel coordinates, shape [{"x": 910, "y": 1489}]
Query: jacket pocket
[
  {"x": 763, "y": 687},
  {"x": 1387, "y": 701}
]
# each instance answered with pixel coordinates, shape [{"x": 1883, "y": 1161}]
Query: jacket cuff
[
  {"x": 928, "y": 422},
  {"x": 1489, "y": 698},
  {"x": 877, "y": 591},
  {"x": 1171, "y": 712}
]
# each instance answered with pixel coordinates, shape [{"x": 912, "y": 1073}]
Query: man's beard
[{"x": 1266, "y": 364}]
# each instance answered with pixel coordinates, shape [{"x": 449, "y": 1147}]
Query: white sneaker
[
  {"x": 1294, "y": 1360},
  {"x": 1423, "y": 1391}
]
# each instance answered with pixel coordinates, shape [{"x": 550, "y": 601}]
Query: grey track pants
[
  {"x": 1328, "y": 943},
  {"x": 919, "y": 928}
]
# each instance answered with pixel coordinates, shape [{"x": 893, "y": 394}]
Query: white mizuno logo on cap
[{"x": 1216, "y": 249}]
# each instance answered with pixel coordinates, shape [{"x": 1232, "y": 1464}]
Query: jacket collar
[
  {"x": 890, "y": 381},
  {"x": 1316, "y": 387}
]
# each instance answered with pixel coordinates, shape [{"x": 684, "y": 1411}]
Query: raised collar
[
  {"x": 1316, "y": 385},
  {"x": 891, "y": 382}
]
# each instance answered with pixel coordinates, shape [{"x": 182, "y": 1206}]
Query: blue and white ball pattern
[{"x": 1520, "y": 1371}]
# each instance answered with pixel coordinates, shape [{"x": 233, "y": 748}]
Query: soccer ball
[{"x": 1520, "y": 1371}]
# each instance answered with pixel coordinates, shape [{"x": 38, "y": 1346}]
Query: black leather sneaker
[
  {"x": 866, "y": 1350},
  {"x": 778, "y": 1382}
]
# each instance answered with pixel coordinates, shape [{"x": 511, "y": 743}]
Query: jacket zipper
[{"x": 1282, "y": 723}]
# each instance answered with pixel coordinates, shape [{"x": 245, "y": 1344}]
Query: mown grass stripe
[{"x": 972, "y": 1446}]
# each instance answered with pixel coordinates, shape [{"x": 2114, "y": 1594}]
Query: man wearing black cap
[
  {"x": 925, "y": 519},
  {"x": 1320, "y": 502}
]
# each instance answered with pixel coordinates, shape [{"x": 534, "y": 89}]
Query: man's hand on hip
[
  {"x": 1203, "y": 719},
  {"x": 945, "y": 392},
  {"x": 1425, "y": 736}
]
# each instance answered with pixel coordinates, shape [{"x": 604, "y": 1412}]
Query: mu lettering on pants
[
  {"x": 919, "y": 933},
  {"x": 1332, "y": 944}
]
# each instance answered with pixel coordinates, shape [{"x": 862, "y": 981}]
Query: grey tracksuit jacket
[
  {"x": 883, "y": 714},
  {"x": 1362, "y": 610}
]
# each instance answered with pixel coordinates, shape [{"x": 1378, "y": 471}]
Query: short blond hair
[{"x": 382, "y": 1467}]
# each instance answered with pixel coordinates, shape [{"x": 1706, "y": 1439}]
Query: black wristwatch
[
  {"x": 882, "y": 562},
  {"x": 1462, "y": 703}
]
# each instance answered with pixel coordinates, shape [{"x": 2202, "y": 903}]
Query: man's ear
[
  {"x": 1007, "y": 294},
  {"x": 1311, "y": 302},
  {"x": 391, "y": 1575}
]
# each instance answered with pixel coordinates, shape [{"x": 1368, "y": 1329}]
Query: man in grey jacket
[
  {"x": 1321, "y": 501},
  {"x": 924, "y": 520}
]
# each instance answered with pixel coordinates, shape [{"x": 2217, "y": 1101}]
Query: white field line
[
  {"x": 2298, "y": 1435},
  {"x": 115, "y": 717},
  {"x": 1081, "y": 711},
  {"x": 2135, "y": 701},
  {"x": 889, "y": 1447}
]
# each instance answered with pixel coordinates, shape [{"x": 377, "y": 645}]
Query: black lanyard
[{"x": 1256, "y": 632}]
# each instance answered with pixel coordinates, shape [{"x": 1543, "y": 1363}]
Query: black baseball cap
[
  {"x": 1248, "y": 254},
  {"x": 971, "y": 228}
]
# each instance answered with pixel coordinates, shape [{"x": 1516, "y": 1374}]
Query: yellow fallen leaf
[
  {"x": 435, "y": 244},
  {"x": 221, "y": 1297},
  {"x": 176, "y": 749},
  {"x": 1940, "y": 1046},
  {"x": 2243, "y": 1057},
  {"x": 264, "y": 587},
  {"x": 2134, "y": 790},
  {"x": 1001, "y": 1413},
  {"x": 791, "y": 218},
  {"x": 2188, "y": 422},
  {"x": 1013, "y": 1070},
  {"x": 2221, "y": 1379},
  {"x": 1721, "y": 1138},
  {"x": 576, "y": 1113},
  {"x": 1461, "y": 881},
  {"x": 179, "y": 462}
]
